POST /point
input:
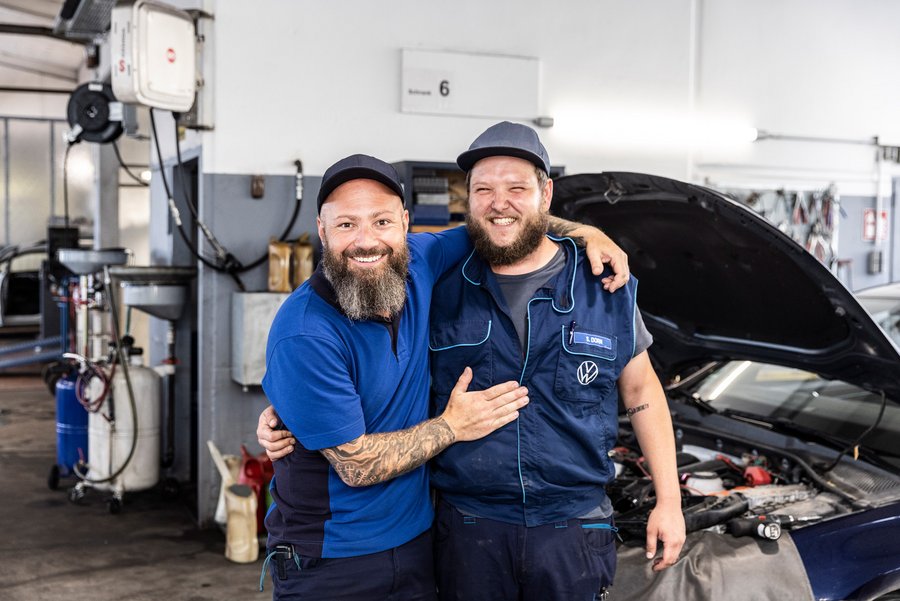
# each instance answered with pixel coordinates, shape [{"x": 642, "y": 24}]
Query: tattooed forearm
[
  {"x": 561, "y": 227},
  {"x": 374, "y": 458},
  {"x": 632, "y": 410}
]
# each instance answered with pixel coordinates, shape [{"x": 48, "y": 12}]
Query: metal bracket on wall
[{"x": 199, "y": 115}]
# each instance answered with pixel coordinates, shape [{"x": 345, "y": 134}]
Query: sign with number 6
[{"x": 476, "y": 85}]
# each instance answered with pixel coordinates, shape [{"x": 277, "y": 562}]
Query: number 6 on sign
[{"x": 471, "y": 85}]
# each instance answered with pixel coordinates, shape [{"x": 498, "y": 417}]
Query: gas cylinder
[
  {"x": 71, "y": 428},
  {"x": 111, "y": 432}
]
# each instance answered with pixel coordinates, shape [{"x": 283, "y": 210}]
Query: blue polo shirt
[{"x": 331, "y": 380}]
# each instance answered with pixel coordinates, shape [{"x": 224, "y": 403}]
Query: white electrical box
[
  {"x": 252, "y": 314},
  {"x": 153, "y": 55}
]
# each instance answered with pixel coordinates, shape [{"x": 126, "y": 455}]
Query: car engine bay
[{"x": 738, "y": 485}]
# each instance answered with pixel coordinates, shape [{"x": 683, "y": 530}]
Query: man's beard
[
  {"x": 533, "y": 231},
  {"x": 368, "y": 293}
]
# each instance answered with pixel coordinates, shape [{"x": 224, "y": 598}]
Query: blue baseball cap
[
  {"x": 358, "y": 166},
  {"x": 506, "y": 139}
]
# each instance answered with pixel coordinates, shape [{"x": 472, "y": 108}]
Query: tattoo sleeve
[
  {"x": 561, "y": 227},
  {"x": 374, "y": 458},
  {"x": 632, "y": 410}
]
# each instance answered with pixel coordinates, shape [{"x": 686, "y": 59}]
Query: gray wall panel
[
  {"x": 227, "y": 413},
  {"x": 852, "y": 246}
]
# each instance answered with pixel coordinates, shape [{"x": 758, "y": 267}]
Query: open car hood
[{"x": 719, "y": 282}]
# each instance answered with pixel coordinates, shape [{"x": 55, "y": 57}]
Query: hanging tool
[{"x": 781, "y": 212}]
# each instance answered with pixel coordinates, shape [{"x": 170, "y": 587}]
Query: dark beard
[
  {"x": 530, "y": 238},
  {"x": 364, "y": 294}
]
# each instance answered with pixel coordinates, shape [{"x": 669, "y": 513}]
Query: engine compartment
[{"x": 735, "y": 483}]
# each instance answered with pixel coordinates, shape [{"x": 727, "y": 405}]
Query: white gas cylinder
[{"x": 109, "y": 443}]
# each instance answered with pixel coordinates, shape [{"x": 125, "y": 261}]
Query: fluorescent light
[
  {"x": 636, "y": 128},
  {"x": 728, "y": 380}
]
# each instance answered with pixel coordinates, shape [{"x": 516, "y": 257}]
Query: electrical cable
[
  {"x": 290, "y": 225},
  {"x": 287, "y": 230},
  {"x": 66, "y": 184},
  {"x": 239, "y": 267},
  {"x": 176, "y": 217},
  {"x": 855, "y": 444},
  {"x": 125, "y": 167}
]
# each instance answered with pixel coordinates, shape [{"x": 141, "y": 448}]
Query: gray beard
[
  {"x": 532, "y": 234},
  {"x": 363, "y": 294}
]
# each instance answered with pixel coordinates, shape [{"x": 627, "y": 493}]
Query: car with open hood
[{"x": 784, "y": 394}]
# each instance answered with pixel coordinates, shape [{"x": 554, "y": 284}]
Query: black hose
[
  {"x": 707, "y": 514},
  {"x": 860, "y": 438},
  {"x": 230, "y": 261},
  {"x": 66, "y": 185},
  {"x": 293, "y": 219},
  {"x": 125, "y": 167},
  {"x": 239, "y": 267}
]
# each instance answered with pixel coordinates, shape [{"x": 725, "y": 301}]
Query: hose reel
[{"x": 94, "y": 114}]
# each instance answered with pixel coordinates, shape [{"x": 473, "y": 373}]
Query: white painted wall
[
  {"x": 320, "y": 80},
  {"x": 317, "y": 80},
  {"x": 809, "y": 68}
]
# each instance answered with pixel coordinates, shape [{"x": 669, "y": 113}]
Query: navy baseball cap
[
  {"x": 358, "y": 166},
  {"x": 506, "y": 139}
]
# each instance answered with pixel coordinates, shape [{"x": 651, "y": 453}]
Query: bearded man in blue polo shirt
[
  {"x": 523, "y": 513},
  {"x": 347, "y": 371}
]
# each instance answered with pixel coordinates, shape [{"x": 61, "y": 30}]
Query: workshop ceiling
[{"x": 34, "y": 60}]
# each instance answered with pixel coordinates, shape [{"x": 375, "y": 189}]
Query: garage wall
[
  {"x": 805, "y": 68},
  {"x": 325, "y": 83},
  {"x": 324, "y": 80},
  {"x": 326, "y": 76}
]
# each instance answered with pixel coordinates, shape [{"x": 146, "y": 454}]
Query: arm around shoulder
[{"x": 599, "y": 248}]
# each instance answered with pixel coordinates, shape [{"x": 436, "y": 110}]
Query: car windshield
[{"x": 832, "y": 407}]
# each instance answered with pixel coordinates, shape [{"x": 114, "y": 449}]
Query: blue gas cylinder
[{"x": 71, "y": 427}]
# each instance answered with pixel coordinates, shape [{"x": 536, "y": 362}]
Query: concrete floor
[{"x": 53, "y": 550}]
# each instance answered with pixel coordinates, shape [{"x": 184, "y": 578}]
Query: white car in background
[{"x": 883, "y": 302}]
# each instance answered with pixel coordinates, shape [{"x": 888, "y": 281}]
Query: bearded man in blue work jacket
[
  {"x": 523, "y": 513},
  {"x": 347, "y": 370}
]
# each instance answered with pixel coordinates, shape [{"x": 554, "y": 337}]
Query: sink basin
[
  {"x": 160, "y": 290},
  {"x": 86, "y": 261},
  {"x": 129, "y": 275},
  {"x": 165, "y": 302}
]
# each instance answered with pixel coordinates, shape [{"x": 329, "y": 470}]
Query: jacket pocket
[
  {"x": 455, "y": 345},
  {"x": 587, "y": 363}
]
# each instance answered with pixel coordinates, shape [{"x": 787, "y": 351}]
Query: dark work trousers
[
  {"x": 478, "y": 559},
  {"x": 405, "y": 573}
]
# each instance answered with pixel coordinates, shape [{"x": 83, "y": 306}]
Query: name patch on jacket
[{"x": 592, "y": 339}]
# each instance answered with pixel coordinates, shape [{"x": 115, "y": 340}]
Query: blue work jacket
[{"x": 551, "y": 464}]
